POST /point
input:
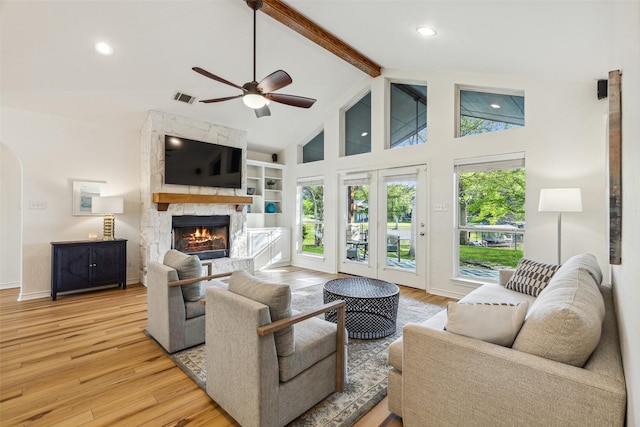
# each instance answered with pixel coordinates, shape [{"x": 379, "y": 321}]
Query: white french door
[{"x": 383, "y": 225}]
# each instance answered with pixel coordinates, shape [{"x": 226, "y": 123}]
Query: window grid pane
[
  {"x": 482, "y": 112},
  {"x": 357, "y": 139},
  {"x": 408, "y": 115},
  {"x": 491, "y": 224},
  {"x": 312, "y": 221},
  {"x": 357, "y": 238},
  {"x": 313, "y": 150}
]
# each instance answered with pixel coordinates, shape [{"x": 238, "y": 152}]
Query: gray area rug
[{"x": 367, "y": 364}]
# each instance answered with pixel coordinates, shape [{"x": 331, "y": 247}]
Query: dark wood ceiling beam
[{"x": 284, "y": 14}]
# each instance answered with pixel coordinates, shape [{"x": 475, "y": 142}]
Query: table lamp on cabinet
[{"x": 108, "y": 206}]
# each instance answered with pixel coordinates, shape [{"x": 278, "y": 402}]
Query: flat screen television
[{"x": 189, "y": 162}]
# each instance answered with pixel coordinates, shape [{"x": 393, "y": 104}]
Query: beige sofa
[{"x": 437, "y": 377}]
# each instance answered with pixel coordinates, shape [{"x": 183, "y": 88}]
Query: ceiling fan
[{"x": 255, "y": 95}]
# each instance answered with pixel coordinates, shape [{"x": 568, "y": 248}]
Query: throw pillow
[
  {"x": 531, "y": 277},
  {"x": 276, "y": 297},
  {"x": 497, "y": 323},
  {"x": 187, "y": 267}
]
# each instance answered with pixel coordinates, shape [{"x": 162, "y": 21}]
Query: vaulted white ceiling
[{"x": 48, "y": 63}]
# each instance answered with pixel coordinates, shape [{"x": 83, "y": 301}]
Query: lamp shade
[
  {"x": 560, "y": 200},
  {"x": 107, "y": 205}
]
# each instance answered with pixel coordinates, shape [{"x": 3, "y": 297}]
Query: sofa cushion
[
  {"x": 485, "y": 293},
  {"x": 565, "y": 321},
  {"x": 194, "y": 309},
  {"x": 497, "y": 323},
  {"x": 586, "y": 261},
  {"x": 315, "y": 340},
  {"x": 531, "y": 277},
  {"x": 276, "y": 297},
  {"x": 187, "y": 267}
]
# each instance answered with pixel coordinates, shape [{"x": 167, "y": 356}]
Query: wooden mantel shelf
[{"x": 165, "y": 199}]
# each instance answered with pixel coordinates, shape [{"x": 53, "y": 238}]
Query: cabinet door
[
  {"x": 280, "y": 245},
  {"x": 107, "y": 264},
  {"x": 74, "y": 268},
  {"x": 259, "y": 248}
]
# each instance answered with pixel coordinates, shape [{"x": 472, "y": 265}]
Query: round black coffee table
[{"x": 371, "y": 305}]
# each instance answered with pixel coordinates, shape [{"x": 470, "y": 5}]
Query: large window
[
  {"x": 313, "y": 150},
  {"x": 311, "y": 214},
  {"x": 482, "y": 110},
  {"x": 357, "y": 127},
  {"x": 491, "y": 213},
  {"x": 408, "y": 115}
]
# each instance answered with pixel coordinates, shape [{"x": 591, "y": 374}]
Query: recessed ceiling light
[
  {"x": 103, "y": 48},
  {"x": 426, "y": 31},
  {"x": 495, "y": 106},
  {"x": 364, "y": 134}
]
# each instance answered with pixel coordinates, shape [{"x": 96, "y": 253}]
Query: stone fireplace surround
[{"x": 155, "y": 226}]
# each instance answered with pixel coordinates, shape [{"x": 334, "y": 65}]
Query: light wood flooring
[{"x": 84, "y": 360}]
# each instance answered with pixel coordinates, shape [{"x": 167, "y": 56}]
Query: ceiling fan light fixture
[
  {"x": 254, "y": 100},
  {"x": 426, "y": 31},
  {"x": 103, "y": 48}
]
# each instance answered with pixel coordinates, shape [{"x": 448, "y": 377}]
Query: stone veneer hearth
[{"x": 155, "y": 228}]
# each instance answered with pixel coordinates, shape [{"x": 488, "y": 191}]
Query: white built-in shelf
[{"x": 258, "y": 173}]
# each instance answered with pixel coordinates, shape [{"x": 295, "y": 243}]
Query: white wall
[
  {"x": 626, "y": 277},
  {"x": 10, "y": 219},
  {"x": 54, "y": 152},
  {"x": 565, "y": 146}
]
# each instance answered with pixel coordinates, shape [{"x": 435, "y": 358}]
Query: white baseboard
[
  {"x": 34, "y": 295},
  {"x": 446, "y": 293},
  {"x": 10, "y": 285}
]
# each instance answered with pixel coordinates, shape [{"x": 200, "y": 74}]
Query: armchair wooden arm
[{"x": 289, "y": 321}]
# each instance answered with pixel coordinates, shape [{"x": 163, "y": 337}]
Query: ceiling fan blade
[
  {"x": 262, "y": 112},
  {"x": 274, "y": 81},
  {"x": 216, "y": 78},
  {"x": 208, "y": 101},
  {"x": 293, "y": 100}
]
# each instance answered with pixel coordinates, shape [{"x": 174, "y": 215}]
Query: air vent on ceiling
[{"x": 183, "y": 97}]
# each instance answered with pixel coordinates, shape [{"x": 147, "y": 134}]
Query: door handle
[{"x": 422, "y": 233}]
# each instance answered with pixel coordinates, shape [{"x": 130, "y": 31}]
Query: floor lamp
[
  {"x": 108, "y": 206},
  {"x": 560, "y": 200}
]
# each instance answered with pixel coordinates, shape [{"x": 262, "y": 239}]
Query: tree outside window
[
  {"x": 312, "y": 221},
  {"x": 491, "y": 217}
]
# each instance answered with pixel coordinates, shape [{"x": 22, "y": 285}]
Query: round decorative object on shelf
[
  {"x": 251, "y": 190},
  {"x": 270, "y": 208}
]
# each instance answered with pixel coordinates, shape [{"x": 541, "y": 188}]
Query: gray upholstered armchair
[
  {"x": 266, "y": 373},
  {"x": 174, "y": 288}
]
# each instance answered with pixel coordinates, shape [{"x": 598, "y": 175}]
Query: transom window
[
  {"x": 313, "y": 150},
  {"x": 408, "y": 115},
  {"x": 357, "y": 127},
  {"x": 491, "y": 216},
  {"x": 482, "y": 110}
]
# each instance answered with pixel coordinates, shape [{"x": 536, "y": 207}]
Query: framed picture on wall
[{"x": 83, "y": 191}]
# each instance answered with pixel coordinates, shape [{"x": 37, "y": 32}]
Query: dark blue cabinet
[{"x": 87, "y": 264}]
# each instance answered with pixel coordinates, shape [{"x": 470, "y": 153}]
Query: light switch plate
[{"x": 37, "y": 204}]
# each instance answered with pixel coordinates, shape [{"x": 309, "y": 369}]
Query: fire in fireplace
[{"x": 204, "y": 236}]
